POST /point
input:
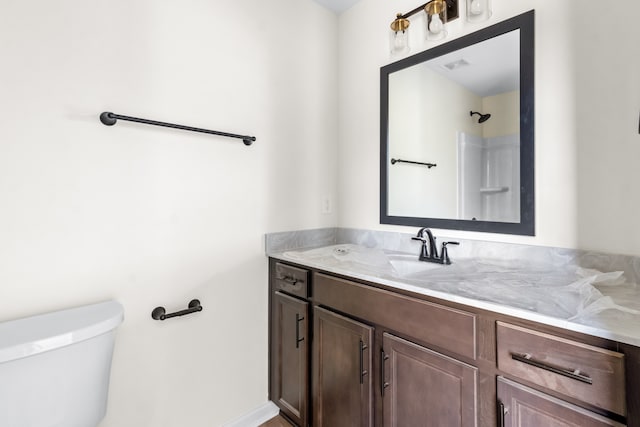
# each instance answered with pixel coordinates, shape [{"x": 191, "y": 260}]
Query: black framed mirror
[{"x": 457, "y": 133}]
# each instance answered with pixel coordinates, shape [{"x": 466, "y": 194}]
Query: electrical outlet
[{"x": 326, "y": 205}]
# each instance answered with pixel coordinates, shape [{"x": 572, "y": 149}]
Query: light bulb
[
  {"x": 398, "y": 42},
  {"x": 476, "y": 7},
  {"x": 436, "y": 25}
]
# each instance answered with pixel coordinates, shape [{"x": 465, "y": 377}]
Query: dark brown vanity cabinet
[
  {"x": 421, "y": 384},
  {"x": 412, "y": 383},
  {"x": 350, "y": 353},
  {"x": 290, "y": 343},
  {"x": 521, "y": 406},
  {"x": 416, "y": 385},
  {"x": 342, "y": 371},
  {"x": 590, "y": 375},
  {"x": 360, "y": 363}
]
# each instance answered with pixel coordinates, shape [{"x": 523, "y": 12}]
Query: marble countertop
[{"x": 552, "y": 292}]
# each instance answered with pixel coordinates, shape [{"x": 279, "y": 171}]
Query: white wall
[
  {"x": 587, "y": 100},
  {"x": 151, "y": 216},
  {"x": 416, "y": 98}
]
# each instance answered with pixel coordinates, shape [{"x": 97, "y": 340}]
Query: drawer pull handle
[
  {"x": 290, "y": 280},
  {"x": 298, "y": 339},
  {"x": 383, "y": 383},
  {"x": 569, "y": 373},
  {"x": 501, "y": 414},
  {"x": 363, "y": 371}
]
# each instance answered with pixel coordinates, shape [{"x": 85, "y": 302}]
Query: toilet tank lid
[{"x": 36, "y": 334}]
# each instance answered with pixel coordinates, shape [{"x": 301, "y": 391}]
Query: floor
[{"x": 278, "y": 421}]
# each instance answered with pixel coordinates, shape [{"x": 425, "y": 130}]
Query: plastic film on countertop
[{"x": 557, "y": 289}]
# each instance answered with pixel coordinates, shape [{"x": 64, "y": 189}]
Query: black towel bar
[
  {"x": 429, "y": 165},
  {"x": 159, "y": 313},
  {"x": 110, "y": 119}
]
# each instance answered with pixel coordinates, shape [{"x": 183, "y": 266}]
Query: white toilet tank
[{"x": 54, "y": 367}]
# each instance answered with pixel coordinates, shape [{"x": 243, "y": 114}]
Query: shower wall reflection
[{"x": 489, "y": 178}]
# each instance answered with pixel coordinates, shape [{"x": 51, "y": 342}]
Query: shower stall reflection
[{"x": 489, "y": 177}]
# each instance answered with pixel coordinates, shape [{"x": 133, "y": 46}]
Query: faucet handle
[
  {"x": 445, "y": 252},
  {"x": 424, "y": 251}
]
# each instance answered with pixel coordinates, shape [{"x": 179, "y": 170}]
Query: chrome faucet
[{"x": 429, "y": 252}]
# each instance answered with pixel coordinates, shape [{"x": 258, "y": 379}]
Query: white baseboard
[{"x": 256, "y": 417}]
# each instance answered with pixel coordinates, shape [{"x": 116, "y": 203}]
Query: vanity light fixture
[
  {"x": 478, "y": 10},
  {"x": 439, "y": 12}
]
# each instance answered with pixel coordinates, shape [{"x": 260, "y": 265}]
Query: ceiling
[
  {"x": 337, "y": 6},
  {"x": 489, "y": 67}
]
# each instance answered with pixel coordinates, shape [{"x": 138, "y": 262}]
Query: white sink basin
[{"x": 406, "y": 265}]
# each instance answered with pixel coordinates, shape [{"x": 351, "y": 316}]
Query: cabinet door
[
  {"x": 289, "y": 356},
  {"x": 342, "y": 383},
  {"x": 524, "y": 407},
  {"x": 423, "y": 388}
]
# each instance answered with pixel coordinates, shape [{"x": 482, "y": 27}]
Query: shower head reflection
[{"x": 483, "y": 117}]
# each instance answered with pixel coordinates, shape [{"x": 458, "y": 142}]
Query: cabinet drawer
[
  {"x": 522, "y": 406},
  {"x": 584, "y": 372},
  {"x": 292, "y": 280},
  {"x": 446, "y": 328}
]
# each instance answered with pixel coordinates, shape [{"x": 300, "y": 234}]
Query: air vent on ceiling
[{"x": 456, "y": 64}]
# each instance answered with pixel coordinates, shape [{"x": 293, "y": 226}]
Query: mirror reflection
[{"x": 460, "y": 113}]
